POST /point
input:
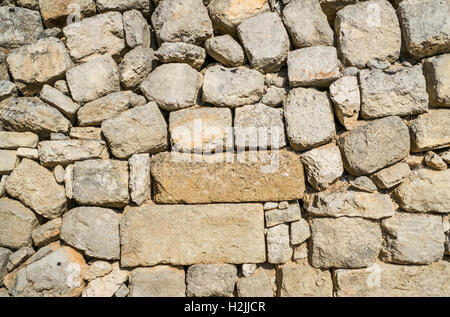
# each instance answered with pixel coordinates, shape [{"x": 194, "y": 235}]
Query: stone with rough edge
[
  {"x": 256, "y": 285},
  {"x": 108, "y": 285},
  {"x": 157, "y": 281},
  {"x": 346, "y": 98},
  {"x": 277, "y": 216},
  {"x": 135, "y": 66},
  {"x": 8, "y": 161},
  {"x": 430, "y": 131},
  {"x": 391, "y": 176},
  {"x": 299, "y": 231},
  {"x": 58, "y": 12},
  {"x": 225, "y": 50},
  {"x": 47, "y": 233},
  {"x": 206, "y": 280},
  {"x": 136, "y": 28},
  {"x": 139, "y": 178},
  {"x": 57, "y": 99},
  {"x": 4, "y": 258},
  {"x": 86, "y": 133},
  {"x": 181, "y": 52},
  {"x": 278, "y": 244},
  {"x": 97, "y": 269},
  {"x": 15, "y": 140},
  {"x": 437, "y": 76},
  {"x": 19, "y": 26},
  {"x": 434, "y": 161}
]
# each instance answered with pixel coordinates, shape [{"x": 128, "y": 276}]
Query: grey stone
[
  {"x": 123, "y": 291},
  {"x": 278, "y": 79},
  {"x": 299, "y": 231},
  {"x": 346, "y": 98},
  {"x": 181, "y": 52},
  {"x": 437, "y": 76},
  {"x": 430, "y": 131},
  {"x": 248, "y": 269},
  {"x": 15, "y": 140},
  {"x": 47, "y": 233},
  {"x": 139, "y": 178},
  {"x": 216, "y": 280},
  {"x": 391, "y": 176},
  {"x": 61, "y": 85},
  {"x": 274, "y": 96},
  {"x": 300, "y": 252},
  {"x": 7, "y": 89},
  {"x": 136, "y": 65},
  {"x": 8, "y": 161},
  {"x": 270, "y": 206},
  {"x": 278, "y": 247},
  {"x": 4, "y": 258},
  {"x": 57, "y": 99},
  {"x": 19, "y": 257},
  {"x": 137, "y": 30},
  {"x": 225, "y": 50},
  {"x": 277, "y": 216},
  {"x": 158, "y": 281},
  {"x": 123, "y": 5},
  {"x": 256, "y": 285},
  {"x": 19, "y": 26}
]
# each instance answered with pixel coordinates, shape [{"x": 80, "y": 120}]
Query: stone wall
[{"x": 224, "y": 148}]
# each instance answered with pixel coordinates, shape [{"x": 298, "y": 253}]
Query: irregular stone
[
  {"x": 391, "y": 176},
  {"x": 65, "y": 152},
  {"x": 123, "y": 291},
  {"x": 433, "y": 160},
  {"x": 107, "y": 285},
  {"x": 4, "y": 258},
  {"x": 275, "y": 176},
  {"x": 157, "y": 281},
  {"x": 47, "y": 233},
  {"x": 368, "y": 31},
  {"x": 19, "y": 26},
  {"x": 256, "y": 285},
  {"x": 4, "y": 75},
  {"x": 278, "y": 248},
  {"x": 374, "y": 145},
  {"x": 61, "y": 85},
  {"x": 445, "y": 155},
  {"x": 437, "y": 76},
  {"x": 15, "y": 140},
  {"x": 101, "y": 183},
  {"x": 173, "y": 86},
  {"x": 323, "y": 166},
  {"x": 31, "y": 114},
  {"x": 412, "y": 239},
  {"x": 182, "y": 21},
  {"x": 86, "y": 133},
  {"x": 301, "y": 279},
  {"x": 110, "y": 106},
  {"x": 58, "y": 274},
  {"x": 58, "y": 136},
  {"x": 36, "y": 187},
  {"x": 57, "y": 99},
  {"x": 123, "y": 5},
  {"x": 87, "y": 81},
  {"x": 8, "y": 161},
  {"x": 344, "y": 242},
  {"x": 395, "y": 281},
  {"x": 16, "y": 224},
  {"x": 276, "y": 216},
  {"x": 205, "y": 280},
  {"x": 203, "y": 129},
  {"x": 346, "y": 98},
  {"x": 299, "y": 231},
  {"x": 181, "y": 52},
  {"x": 283, "y": 205},
  {"x": 300, "y": 252},
  {"x": 60, "y": 12},
  {"x": 430, "y": 131},
  {"x": 139, "y": 178},
  {"x": 350, "y": 204},
  {"x": 96, "y": 36},
  {"x": 225, "y": 50},
  {"x": 232, "y": 87},
  {"x": 427, "y": 33},
  {"x": 278, "y": 79},
  {"x": 274, "y": 96},
  {"x": 248, "y": 269},
  {"x": 270, "y": 206},
  {"x": 138, "y": 130},
  {"x": 223, "y": 234},
  {"x": 426, "y": 191},
  {"x": 137, "y": 30},
  {"x": 313, "y": 66},
  {"x": 259, "y": 126},
  {"x": 3, "y": 185},
  {"x": 18, "y": 257},
  {"x": 59, "y": 172},
  {"x": 97, "y": 269},
  {"x": 364, "y": 183},
  {"x": 68, "y": 181},
  {"x": 265, "y": 41},
  {"x": 7, "y": 89},
  {"x": 226, "y": 15},
  {"x": 309, "y": 118},
  {"x": 136, "y": 65},
  {"x": 307, "y": 24}
]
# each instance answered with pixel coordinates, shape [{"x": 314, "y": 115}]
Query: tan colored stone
[
  {"x": 57, "y": 12},
  {"x": 430, "y": 131},
  {"x": 158, "y": 281},
  {"x": 47, "y": 232},
  {"x": 15, "y": 140},
  {"x": 391, "y": 176}
]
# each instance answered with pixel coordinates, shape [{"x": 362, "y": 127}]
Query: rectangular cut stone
[
  {"x": 15, "y": 140},
  {"x": 185, "y": 235},
  {"x": 267, "y": 176}
]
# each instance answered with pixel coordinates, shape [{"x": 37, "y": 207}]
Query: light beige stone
[
  {"x": 211, "y": 280},
  {"x": 107, "y": 285},
  {"x": 430, "y": 131},
  {"x": 276, "y": 216},
  {"x": 15, "y": 140},
  {"x": 391, "y": 176},
  {"x": 47, "y": 233},
  {"x": 139, "y": 178},
  {"x": 158, "y": 281}
]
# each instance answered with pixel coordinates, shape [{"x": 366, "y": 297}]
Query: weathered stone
[
  {"x": 270, "y": 206},
  {"x": 276, "y": 216},
  {"x": 181, "y": 52},
  {"x": 309, "y": 118},
  {"x": 226, "y": 15},
  {"x": 8, "y": 161},
  {"x": 301, "y": 279},
  {"x": 101, "y": 183},
  {"x": 58, "y": 137},
  {"x": 205, "y": 280},
  {"x": 136, "y": 65},
  {"x": 139, "y": 178},
  {"x": 347, "y": 100},
  {"x": 344, "y": 242},
  {"x": 182, "y": 20},
  {"x": 300, "y": 252},
  {"x": 59, "y": 172},
  {"x": 123, "y": 5},
  {"x": 123, "y": 291},
  {"x": 7, "y": 89},
  {"x": 87, "y": 81},
  {"x": 36, "y": 187},
  {"x": 16, "y": 224},
  {"x": 57, "y": 99},
  {"x": 107, "y": 285},
  {"x": 57, "y": 274},
  {"x": 223, "y": 234},
  {"x": 232, "y": 87},
  {"x": 323, "y": 166},
  {"x": 445, "y": 155},
  {"x": 256, "y": 285},
  {"x": 307, "y": 24},
  {"x": 426, "y": 33},
  {"x": 137, "y": 30},
  {"x": 86, "y": 133},
  {"x": 265, "y": 41},
  {"x": 260, "y": 126},
  {"x": 248, "y": 269},
  {"x": 158, "y": 281},
  {"x": 402, "y": 93},
  {"x": 313, "y": 66},
  {"x": 412, "y": 239},
  {"x": 368, "y": 31},
  {"x": 62, "y": 12},
  {"x": 173, "y": 86},
  {"x": 350, "y": 204},
  {"x": 92, "y": 37},
  {"x": 97, "y": 269},
  {"x": 278, "y": 247},
  {"x": 283, "y": 205},
  {"x": 61, "y": 85},
  {"x": 68, "y": 181},
  {"x": 19, "y": 26},
  {"x": 430, "y": 131},
  {"x": 138, "y": 130},
  {"x": 395, "y": 281},
  {"x": 19, "y": 257},
  {"x": 47, "y": 232},
  {"x": 299, "y": 231},
  {"x": 239, "y": 181},
  {"x": 15, "y": 140},
  {"x": 4, "y": 75},
  {"x": 65, "y": 152},
  {"x": 274, "y": 96},
  {"x": 437, "y": 76},
  {"x": 4, "y": 258},
  {"x": 391, "y": 176},
  {"x": 278, "y": 79},
  {"x": 202, "y": 129},
  {"x": 374, "y": 145},
  {"x": 110, "y": 106},
  {"x": 3, "y": 185},
  {"x": 225, "y": 50},
  {"x": 426, "y": 191}
]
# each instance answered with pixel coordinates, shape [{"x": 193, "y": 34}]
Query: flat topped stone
[{"x": 19, "y": 26}]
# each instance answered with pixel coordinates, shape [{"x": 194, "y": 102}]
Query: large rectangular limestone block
[
  {"x": 185, "y": 235},
  {"x": 246, "y": 177}
]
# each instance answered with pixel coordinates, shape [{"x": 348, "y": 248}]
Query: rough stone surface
[
  {"x": 139, "y": 178},
  {"x": 7, "y": 89},
  {"x": 274, "y": 96},
  {"x": 19, "y": 257},
  {"x": 86, "y": 133},
  {"x": 437, "y": 76},
  {"x": 276, "y": 216},
  {"x": 108, "y": 285},
  {"x": 4, "y": 258},
  {"x": 346, "y": 98},
  {"x": 137, "y": 30},
  {"x": 19, "y": 26},
  {"x": 433, "y": 160},
  {"x": 8, "y": 161},
  {"x": 299, "y": 231},
  {"x": 15, "y": 140},
  {"x": 57, "y": 99},
  {"x": 430, "y": 131},
  {"x": 58, "y": 12},
  {"x": 391, "y": 176},
  {"x": 181, "y": 52},
  {"x": 225, "y": 50},
  {"x": 157, "y": 281},
  {"x": 136, "y": 65},
  {"x": 123, "y": 5},
  {"x": 205, "y": 280},
  {"x": 278, "y": 247},
  {"x": 256, "y": 285}
]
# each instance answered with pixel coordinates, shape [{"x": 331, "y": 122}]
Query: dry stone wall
[{"x": 224, "y": 148}]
